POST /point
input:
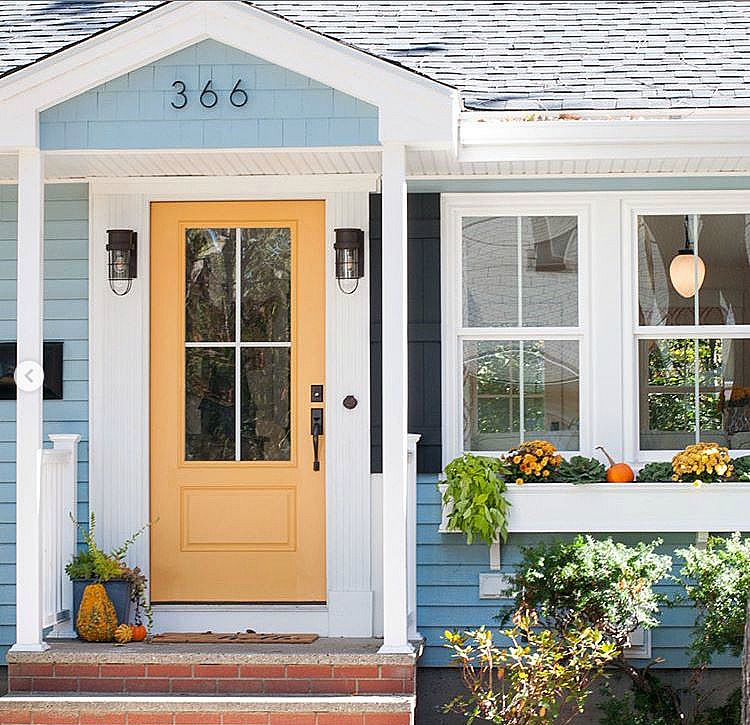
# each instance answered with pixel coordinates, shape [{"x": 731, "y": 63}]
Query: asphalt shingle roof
[{"x": 508, "y": 55}]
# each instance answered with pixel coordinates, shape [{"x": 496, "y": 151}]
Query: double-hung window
[
  {"x": 513, "y": 326},
  {"x": 692, "y": 330}
]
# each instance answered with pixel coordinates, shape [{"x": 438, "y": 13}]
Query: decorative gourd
[
  {"x": 96, "y": 620},
  {"x": 139, "y": 632},
  {"x": 617, "y": 472},
  {"x": 123, "y": 634}
]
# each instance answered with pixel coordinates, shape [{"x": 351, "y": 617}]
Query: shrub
[
  {"x": 718, "y": 581},
  {"x": 542, "y": 676},
  {"x": 476, "y": 488},
  {"x": 580, "y": 469},
  {"x": 656, "y": 472},
  {"x": 605, "y": 584}
]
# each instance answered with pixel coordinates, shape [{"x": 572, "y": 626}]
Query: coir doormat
[{"x": 248, "y": 637}]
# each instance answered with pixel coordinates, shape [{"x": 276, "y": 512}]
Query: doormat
[{"x": 248, "y": 637}]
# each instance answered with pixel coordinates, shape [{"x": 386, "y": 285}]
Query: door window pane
[
  {"x": 265, "y": 391},
  {"x": 496, "y": 399},
  {"x": 209, "y": 404},
  {"x": 266, "y": 284},
  {"x": 209, "y": 285},
  {"x": 674, "y": 413}
]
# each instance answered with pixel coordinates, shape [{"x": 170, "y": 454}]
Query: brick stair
[{"x": 155, "y": 710}]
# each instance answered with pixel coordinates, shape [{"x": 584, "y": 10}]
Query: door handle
[{"x": 316, "y": 430}]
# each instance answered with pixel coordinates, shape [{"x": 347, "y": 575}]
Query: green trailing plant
[
  {"x": 605, "y": 584},
  {"x": 655, "y": 472},
  {"x": 476, "y": 490},
  {"x": 581, "y": 470},
  {"x": 541, "y": 676},
  {"x": 717, "y": 579}
]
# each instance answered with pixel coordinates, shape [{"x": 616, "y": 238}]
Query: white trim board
[{"x": 119, "y": 404}]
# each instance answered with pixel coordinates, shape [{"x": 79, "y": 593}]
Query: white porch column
[
  {"x": 29, "y": 296},
  {"x": 395, "y": 402}
]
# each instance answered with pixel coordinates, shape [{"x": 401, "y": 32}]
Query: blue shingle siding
[
  {"x": 66, "y": 319},
  {"x": 448, "y": 584},
  {"x": 283, "y": 109}
]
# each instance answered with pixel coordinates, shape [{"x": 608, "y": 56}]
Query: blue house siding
[
  {"x": 283, "y": 109},
  {"x": 448, "y": 584},
  {"x": 66, "y": 319}
]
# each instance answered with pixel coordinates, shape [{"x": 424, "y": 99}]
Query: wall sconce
[
  {"x": 687, "y": 270},
  {"x": 122, "y": 250},
  {"x": 350, "y": 257}
]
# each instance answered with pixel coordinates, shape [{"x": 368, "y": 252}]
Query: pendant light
[{"x": 687, "y": 270}]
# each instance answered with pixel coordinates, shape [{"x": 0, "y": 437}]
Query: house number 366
[{"x": 208, "y": 97}]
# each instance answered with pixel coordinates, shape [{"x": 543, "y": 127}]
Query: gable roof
[{"x": 548, "y": 55}]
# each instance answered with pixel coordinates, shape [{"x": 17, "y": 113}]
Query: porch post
[
  {"x": 29, "y": 296},
  {"x": 395, "y": 402}
]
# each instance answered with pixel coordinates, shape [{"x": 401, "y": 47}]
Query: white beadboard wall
[{"x": 120, "y": 380}]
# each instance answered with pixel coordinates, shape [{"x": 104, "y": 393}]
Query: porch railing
[
  {"x": 411, "y": 537},
  {"x": 58, "y": 474}
]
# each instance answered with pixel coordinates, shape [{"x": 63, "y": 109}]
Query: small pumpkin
[
  {"x": 96, "y": 621},
  {"x": 617, "y": 472},
  {"x": 139, "y": 632},
  {"x": 123, "y": 634}
]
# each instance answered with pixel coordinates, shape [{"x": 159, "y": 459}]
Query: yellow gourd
[
  {"x": 123, "y": 634},
  {"x": 96, "y": 620}
]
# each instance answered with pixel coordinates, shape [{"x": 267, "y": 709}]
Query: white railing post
[
  {"x": 411, "y": 537},
  {"x": 395, "y": 401},
  {"x": 29, "y": 313},
  {"x": 64, "y": 501}
]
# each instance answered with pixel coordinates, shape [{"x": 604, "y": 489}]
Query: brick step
[
  {"x": 159, "y": 670},
  {"x": 135, "y": 710}
]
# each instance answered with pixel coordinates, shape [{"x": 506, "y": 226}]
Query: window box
[{"x": 625, "y": 507}]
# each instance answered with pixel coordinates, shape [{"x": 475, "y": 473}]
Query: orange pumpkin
[
  {"x": 139, "y": 632},
  {"x": 617, "y": 472}
]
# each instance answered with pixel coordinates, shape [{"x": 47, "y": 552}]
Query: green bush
[
  {"x": 476, "y": 488},
  {"x": 718, "y": 581},
  {"x": 606, "y": 584}
]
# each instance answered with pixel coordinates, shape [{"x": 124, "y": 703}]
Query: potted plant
[{"x": 122, "y": 584}]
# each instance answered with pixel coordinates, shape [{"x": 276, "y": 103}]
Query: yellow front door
[{"x": 237, "y": 355}]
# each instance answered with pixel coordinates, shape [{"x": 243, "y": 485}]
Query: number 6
[
  {"x": 205, "y": 93},
  {"x": 236, "y": 91}
]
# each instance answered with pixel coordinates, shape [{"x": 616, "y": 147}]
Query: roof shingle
[{"x": 501, "y": 55}]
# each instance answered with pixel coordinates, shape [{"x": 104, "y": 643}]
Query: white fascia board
[
  {"x": 506, "y": 140},
  {"x": 413, "y": 109}
]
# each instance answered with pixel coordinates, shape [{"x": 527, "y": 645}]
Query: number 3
[{"x": 180, "y": 94}]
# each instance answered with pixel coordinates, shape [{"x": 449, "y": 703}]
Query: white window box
[{"x": 625, "y": 507}]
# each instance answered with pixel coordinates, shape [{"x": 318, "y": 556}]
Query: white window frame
[
  {"x": 454, "y": 208},
  {"x": 677, "y": 203}
]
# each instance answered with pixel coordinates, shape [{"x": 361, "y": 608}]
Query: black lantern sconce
[
  {"x": 122, "y": 250},
  {"x": 350, "y": 257}
]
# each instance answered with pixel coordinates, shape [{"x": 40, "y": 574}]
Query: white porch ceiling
[{"x": 420, "y": 164}]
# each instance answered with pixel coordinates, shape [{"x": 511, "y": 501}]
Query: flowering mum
[
  {"x": 533, "y": 461},
  {"x": 702, "y": 462}
]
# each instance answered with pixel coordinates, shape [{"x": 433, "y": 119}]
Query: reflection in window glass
[
  {"x": 693, "y": 390},
  {"x": 722, "y": 243},
  {"x": 544, "y": 294},
  {"x": 497, "y": 397},
  {"x": 209, "y": 404},
  {"x": 209, "y": 285}
]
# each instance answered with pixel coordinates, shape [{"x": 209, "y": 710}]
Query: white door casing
[{"x": 119, "y": 398}]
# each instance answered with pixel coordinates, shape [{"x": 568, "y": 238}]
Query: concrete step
[{"x": 159, "y": 710}]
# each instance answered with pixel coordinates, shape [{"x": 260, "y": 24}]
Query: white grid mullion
[
  {"x": 521, "y": 381},
  {"x": 237, "y": 345},
  {"x": 234, "y": 344}
]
